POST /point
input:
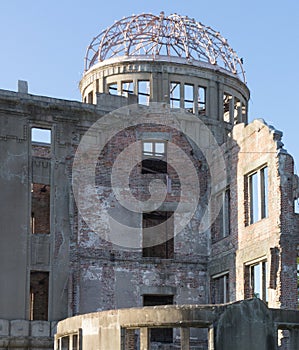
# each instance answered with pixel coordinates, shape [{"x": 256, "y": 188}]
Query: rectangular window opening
[
  {"x": 256, "y": 276},
  {"x": 159, "y": 335},
  {"x": 158, "y": 234},
  {"x": 127, "y": 88},
  {"x": 130, "y": 338},
  {"x": 258, "y": 195},
  {"x": 201, "y": 102},
  {"x": 112, "y": 89},
  {"x": 41, "y": 135},
  {"x": 75, "y": 342},
  {"x": 220, "y": 289},
  {"x": 40, "y": 208},
  {"x": 221, "y": 226},
  {"x": 175, "y": 95},
  {"x": 90, "y": 97},
  {"x": 189, "y": 98},
  {"x": 227, "y": 101},
  {"x": 154, "y": 157},
  {"x": 144, "y": 92},
  {"x": 283, "y": 338},
  {"x": 39, "y": 295},
  {"x": 65, "y": 341}
]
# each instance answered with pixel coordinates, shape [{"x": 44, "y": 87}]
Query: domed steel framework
[{"x": 154, "y": 36}]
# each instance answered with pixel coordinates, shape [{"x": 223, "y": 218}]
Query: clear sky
[{"x": 44, "y": 42}]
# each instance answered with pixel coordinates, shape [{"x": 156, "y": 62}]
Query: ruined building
[{"x": 154, "y": 190}]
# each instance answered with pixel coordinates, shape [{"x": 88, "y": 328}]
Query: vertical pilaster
[
  {"x": 144, "y": 338},
  {"x": 185, "y": 338}
]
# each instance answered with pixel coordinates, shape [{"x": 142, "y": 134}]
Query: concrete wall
[{"x": 23, "y": 334}]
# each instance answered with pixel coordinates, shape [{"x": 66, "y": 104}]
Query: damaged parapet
[{"x": 23, "y": 86}]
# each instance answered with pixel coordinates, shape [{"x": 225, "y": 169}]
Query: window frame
[
  {"x": 125, "y": 90},
  {"x": 155, "y": 156},
  {"x": 221, "y": 226},
  {"x": 263, "y": 265},
  {"x": 226, "y": 287},
  {"x": 258, "y": 194},
  {"x": 167, "y": 247},
  {"x": 141, "y": 94},
  {"x": 39, "y": 140},
  {"x": 202, "y": 103},
  {"x": 189, "y": 105},
  {"x": 175, "y": 101}
]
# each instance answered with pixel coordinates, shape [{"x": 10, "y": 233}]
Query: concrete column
[
  {"x": 195, "y": 99},
  {"x": 220, "y": 101},
  {"x": 182, "y": 94},
  {"x": 165, "y": 95},
  {"x": 211, "y": 338},
  {"x": 212, "y": 101},
  {"x": 144, "y": 339},
  {"x": 70, "y": 342},
  {"x": 239, "y": 108},
  {"x": 185, "y": 338},
  {"x": 232, "y": 110},
  {"x": 294, "y": 339},
  {"x": 154, "y": 86},
  {"x": 119, "y": 87}
]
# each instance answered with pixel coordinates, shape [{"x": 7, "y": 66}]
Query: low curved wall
[{"x": 230, "y": 326}]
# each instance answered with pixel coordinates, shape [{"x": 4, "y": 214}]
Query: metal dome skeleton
[{"x": 154, "y": 36}]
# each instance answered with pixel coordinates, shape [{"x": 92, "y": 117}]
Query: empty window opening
[
  {"x": 189, "y": 98},
  {"x": 227, "y": 105},
  {"x": 201, "y": 101},
  {"x": 296, "y": 206},
  {"x": 39, "y": 295},
  {"x": 90, "y": 97},
  {"x": 41, "y": 142},
  {"x": 112, "y": 89},
  {"x": 175, "y": 95},
  {"x": 65, "y": 342},
  {"x": 75, "y": 342},
  {"x": 130, "y": 339},
  {"x": 158, "y": 225},
  {"x": 258, "y": 195},
  {"x": 154, "y": 157},
  {"x": 160, "y": 335},
  {"x": 257, "y": 280},
  {"x": 40, "y": 135},
  {"x": 144, "y": 92},
  {"x": 220, "y": 289},
  {"x": 40, "y": 208},
  {"x": 283, "y": 339},
  {"x": 127, "y": 88},
  {"x": 221, "y": 226}
]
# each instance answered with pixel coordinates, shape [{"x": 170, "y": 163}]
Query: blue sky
[{"x": 44, "y": 42}]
